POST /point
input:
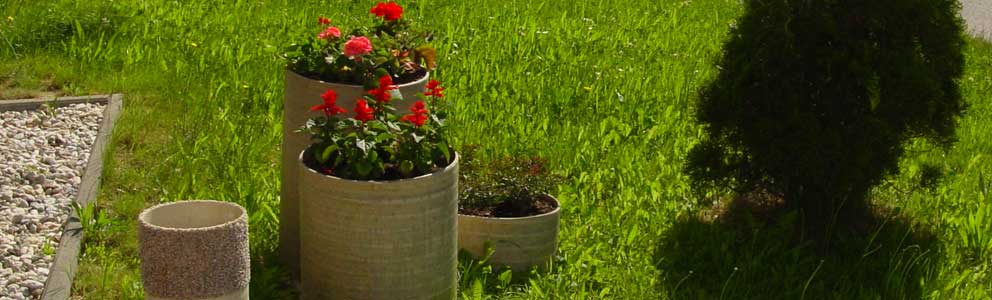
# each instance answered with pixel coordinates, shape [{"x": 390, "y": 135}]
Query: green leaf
[
  {"x": 406, "y": 167},
  {"x": 477, "y": 290},
  {"x": 445, "y": 150},
  {"x": 373, "y": 157},
  {"x": 385, "y": 136},
  {"x": 330, "y": 149},
  {"x": 362, "y": 145},
  {"x": 379, "y": 73},
  {"x": 505, "y": 277},
  {"x": 393, "y": 126},
  {"x": 363, "y": 168},
  {"x": 377, "y": 125}
]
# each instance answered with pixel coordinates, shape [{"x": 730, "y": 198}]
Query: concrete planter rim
[
  {"x": 344, "y": 181},
  {"x": 242, "y": 216},
  {"x": 544, "y": 215},
  {"x": 427, "y": 74}
]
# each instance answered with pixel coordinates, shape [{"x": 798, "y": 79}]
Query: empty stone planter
[
  {"x": 520, "y": 243},
  {"x": 194, "y": 250},
  {"x": 302, "y": 93},
  {"x": 372, "y": 240}
]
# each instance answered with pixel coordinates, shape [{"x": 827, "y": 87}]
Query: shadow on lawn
[{"x": 736, "y": 254}]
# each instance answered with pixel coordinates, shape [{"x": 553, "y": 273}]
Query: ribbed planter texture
[
  {"x": 520, "y": 243},
  {"x": 378, "y": 239},
  {"x": 194, "y": 250},
  {"x": 302, "y": 93}
]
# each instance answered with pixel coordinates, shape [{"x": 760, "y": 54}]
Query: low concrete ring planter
[
  {"x": 194, "y": 250},
  {"x": 520, "y": 243},
  {"x": 58, "y": 286},
  {"x": 390, "y": 239},
  {"x": 301, "y": 94}
]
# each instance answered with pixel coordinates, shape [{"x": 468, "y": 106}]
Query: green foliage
[
  {"x": 396, "y": 49},
  {"x": 816, "y": 100},
  {"x": 516, "y": 181},
  {"x": 379, "y": 145},
  {"x": 479, "y": 280}
]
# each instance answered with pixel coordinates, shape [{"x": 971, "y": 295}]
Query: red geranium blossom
[
  {"x": 419, "y": 115},
  {"x": 390, "y": 10},
  {"x": 329, "y": 33},
  {"x": 434, "y": 89},
  {"x": 330, "y": 106},
  {"x": 382, "y": 92},
  {"x": 363, "y": 112},
  {"x": 357, "y": 46},
  {"x": 323, "y": 21}
]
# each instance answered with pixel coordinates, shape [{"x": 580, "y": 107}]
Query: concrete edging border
[{"x": 58, "y": 286}]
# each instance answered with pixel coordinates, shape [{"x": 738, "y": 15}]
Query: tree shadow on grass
[{"x": 743, "y": 251}]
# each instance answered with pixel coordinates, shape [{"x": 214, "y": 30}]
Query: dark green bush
[{"x": 816, "y": 99}]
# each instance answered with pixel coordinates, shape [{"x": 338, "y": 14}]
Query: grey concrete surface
[{"x": 978, "y": 15}]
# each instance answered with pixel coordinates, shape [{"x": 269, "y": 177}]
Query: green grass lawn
[{"x": 602, "y": 88}]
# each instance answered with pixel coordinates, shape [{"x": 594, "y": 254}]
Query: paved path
[{"x": 978, "y": 15}]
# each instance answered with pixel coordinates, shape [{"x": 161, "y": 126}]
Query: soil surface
[
  {"x": 391, "y": 170},
  {"x": 539, "y": 206},
  {"x": 397, "y": 80}
]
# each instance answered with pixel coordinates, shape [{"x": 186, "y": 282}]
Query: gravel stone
[{"x": 42, "y": 159}]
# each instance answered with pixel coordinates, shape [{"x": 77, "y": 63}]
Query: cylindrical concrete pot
[
  {"x": 302, "y": 93},
  {"x": 194, "y": 250},
  {"x": 378, "y": 239},
  {"x": 520, "y": 243}
]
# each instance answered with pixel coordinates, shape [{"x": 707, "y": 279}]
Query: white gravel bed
[{"x": 42, "y": 157}]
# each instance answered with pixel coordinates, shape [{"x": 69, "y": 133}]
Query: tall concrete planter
[
  {"x": 378, "y": 239},
  {"x": 194, "y": 250},
  {"x": 520, "y": 243},
  {"x": 302, "y": 93}
]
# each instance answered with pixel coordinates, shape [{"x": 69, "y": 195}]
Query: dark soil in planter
[
  {"x": 391, "y": 170},
  {"x": 507, "y": 209},
  {"x": 409, "y": 77},
  {"x": 397, "y": 80}
]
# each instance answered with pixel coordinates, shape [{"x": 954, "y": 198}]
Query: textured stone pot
[
  {"x": 378, "y": 239},
  {"x": 194, "y": 250},
  {"x": 520, "y": 243},
  {"x": 302, "y": 93}
]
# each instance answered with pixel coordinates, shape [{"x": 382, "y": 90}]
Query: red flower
[
  {"x": 363, "y": 112},
  {"x": 329, "y": 107},
  {"x": 329, "y": 33},
  {"x": 419, "y": 115},
  {"x": 391, "y": 11},
  {"x": 323, "y": 21},
  {"x": 357, "y": 46},
  {"x": 434, "y": 89},
  {"x": 418, "y": 108},
  {"x": 381, "y": 93}
]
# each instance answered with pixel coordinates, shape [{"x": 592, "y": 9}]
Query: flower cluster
[
  {"x": 375, "y": 143},
  {"x": 330, "y": 106},
  {"x": 356, "y": 57},
  {"x": 389, "y": 11}
]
